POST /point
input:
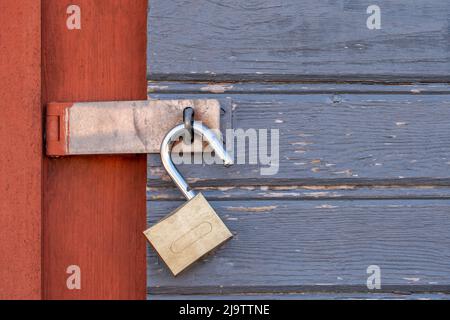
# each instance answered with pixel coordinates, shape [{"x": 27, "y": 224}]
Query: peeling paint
[
  {"x": 152, "y": 88},
  {"x": 301, "y": 143},
  {"x": 281, "y": 194},
  {"x": 326, "y": 206},
  {"x": 340, "y": 187},
  {"x": 346, "y": 172},
  {"x": 412, "y": 279},
  {"x": 318, "y": 194},
  {"x": 253, "y": 209},
  {"x": 223, "y": 189},
  {"x": 216, "y": 88}
]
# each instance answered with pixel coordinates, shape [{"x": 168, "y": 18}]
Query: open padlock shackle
[{"x": 166, "y": 150}]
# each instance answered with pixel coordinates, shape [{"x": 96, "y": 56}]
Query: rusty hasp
[{"x": 120, "y": 127}]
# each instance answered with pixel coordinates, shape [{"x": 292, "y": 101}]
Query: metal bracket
[{"x": 121, "y": 127}]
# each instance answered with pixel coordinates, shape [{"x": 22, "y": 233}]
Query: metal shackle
[{"x": 166, "y": 150}]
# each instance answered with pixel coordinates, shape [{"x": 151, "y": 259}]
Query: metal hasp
[
  {"x": 121, "y": 127},
  {"x": 188, "y": 120},
  {"x": 166, "y": 157}
]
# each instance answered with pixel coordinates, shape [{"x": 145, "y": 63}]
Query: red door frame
[
  {"x": 92, "y": 209},
  {"x": 20, "y": 149}
]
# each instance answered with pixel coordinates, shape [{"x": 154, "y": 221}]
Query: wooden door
[
  {"x": 71, "y": 227},
  {"x": 363, "y": 110},
  {"x": 94, "y": 206},
  {"x": 20, "y": 150},
  {"x": 359, "y": 94}
]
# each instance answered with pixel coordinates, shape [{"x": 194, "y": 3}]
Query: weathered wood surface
[
  {"x": 363, "y": 180},
  {"x": 156, "y": 88},
  {"x": 364, "y": 169},
  {"x": 298, "y": 40},
  {"x": 306, "y": 192},
  {"x": 94, "y": 206},
  {"x": 317, "y": 246},
  {"x": 307, "y": 296},
  {"x": 365, "y": 139},
  {"x": 20, "y": 150}
]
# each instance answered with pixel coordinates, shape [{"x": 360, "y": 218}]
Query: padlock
[{"x": 194, "y": 229}]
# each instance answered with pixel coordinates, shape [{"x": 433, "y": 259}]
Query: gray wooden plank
[
  {"x": 298, "y": 40},
  {"x": 306, "y": 296},
  {"x": 208, "y": 88},
  {"x": 296, "y": 193},
  {"x": 317, "y": 246},
  {"x": 348, "y": 138}
]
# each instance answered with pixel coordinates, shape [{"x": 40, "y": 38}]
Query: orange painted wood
[
  {"x": 95, "y": 206},
  {"x": 20, "y": 149}
]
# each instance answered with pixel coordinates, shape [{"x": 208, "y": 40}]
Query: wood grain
[
  {"x": 317, "y": 246},
  {"x": 298, "y": 40},
  {"x": 331, "y": 88},
  {"x": 306, "y": 296},
  {"x": 362, "y": 179},
  {"x": 363, "y": 139},
  {"x": 20, "y": 150},
  {"x": 363, "y": 176},
  {"x": 278, "y": 191},
  {"x": 94, "y": 206}
]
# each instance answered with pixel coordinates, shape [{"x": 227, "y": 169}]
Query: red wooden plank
[
  {"x": 20, "y": 150},
  {"x": 95, "y": 206}
]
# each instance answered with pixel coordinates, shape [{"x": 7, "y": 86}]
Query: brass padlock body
[{"x": 187, "y": 234}]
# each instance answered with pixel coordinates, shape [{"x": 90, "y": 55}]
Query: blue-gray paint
[
  {"x": 364, "y": 176},
  {"x": 297, "y": 40}
]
